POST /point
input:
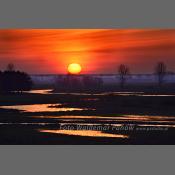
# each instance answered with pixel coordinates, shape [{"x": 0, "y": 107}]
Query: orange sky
[{"x": 43, "y": 51}]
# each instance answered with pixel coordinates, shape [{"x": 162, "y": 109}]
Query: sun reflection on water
[
  {"x": 41, "y": 108},
  {"x": 85, "y": 133}
]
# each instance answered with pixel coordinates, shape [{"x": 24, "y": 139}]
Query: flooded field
[
  {"x": 90, "y": 119},
  {"x": 50, "y": 91},
  {"x": 88, "y": 133},
  {"x": 40, "y": 108},
  {"x": 89, "y": 126}
]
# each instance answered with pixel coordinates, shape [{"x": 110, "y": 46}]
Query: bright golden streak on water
[
  {"x": 85, "y": 133},
  {"x": 41, "y": 108}
]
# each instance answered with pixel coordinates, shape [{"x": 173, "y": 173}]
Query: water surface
[
  {"x": 41, "y": 108},
  {"x": 50, "y": 91},
  {"x": 85, "y": 133}
]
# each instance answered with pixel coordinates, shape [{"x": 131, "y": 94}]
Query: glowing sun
[{"x": 74, "y": 68}]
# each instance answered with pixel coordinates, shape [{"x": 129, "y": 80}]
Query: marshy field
[
  {"x": 47, "y": 117},
  {"x": 87, "y": 86}
]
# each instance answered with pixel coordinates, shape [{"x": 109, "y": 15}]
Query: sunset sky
[{"x": 50, "y": 51}]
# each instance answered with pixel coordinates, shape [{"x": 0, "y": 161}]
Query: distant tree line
[
  {"x": 73, "y": 83},
  {"x": 14, "y": 81},
  {"x": 17, "y": 81},
  {"x": 92, "y": 84},
  {"x": 160, "y": 72}
]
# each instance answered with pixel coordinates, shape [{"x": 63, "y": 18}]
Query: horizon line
[{"x": 100, "y": 74}]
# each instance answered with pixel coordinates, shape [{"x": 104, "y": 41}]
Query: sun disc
[{"x": 74, "y": 68}]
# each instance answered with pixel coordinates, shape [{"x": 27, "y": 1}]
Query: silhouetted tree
[
  {"x": 8, "y": 81},
  {"x": 15, "y": 81},
  {"x": 123, "y": 71},
  {"x": 24, "y": 82},
  {"x": 160, "y": 71},
  {"x": 10, "y": 67}
]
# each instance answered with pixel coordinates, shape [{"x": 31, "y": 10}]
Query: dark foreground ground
[{"x": 20, "y": 127}]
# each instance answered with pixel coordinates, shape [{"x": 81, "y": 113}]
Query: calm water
[
  {"x": 87, "y": 133},
  {"x": 91, "y": 121},
  {"x": 84, "y": 125},
  {"x": 41, "y": 108},
  {"x": 40, "y": 91},
  {"x": 49, "y": 91},
  {"x": 163, "y": 121}
]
